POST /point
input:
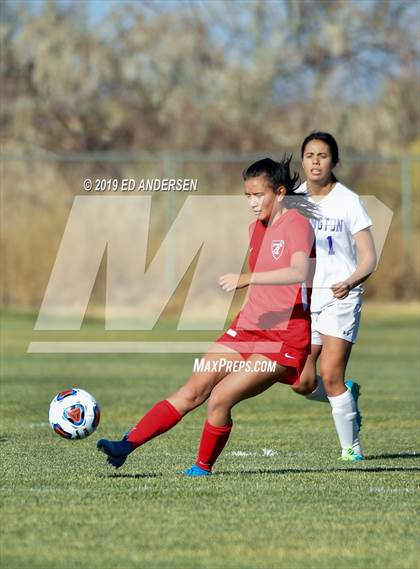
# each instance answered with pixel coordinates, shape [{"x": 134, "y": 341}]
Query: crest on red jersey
[{"x": 277, "y": 247}]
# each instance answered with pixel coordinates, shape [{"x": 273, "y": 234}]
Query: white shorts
[{"x": 339, "y": 319}]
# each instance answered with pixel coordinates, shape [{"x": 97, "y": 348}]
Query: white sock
[
  {"x": 344, "y": 415},
  {"x": 319, "y": 393}
]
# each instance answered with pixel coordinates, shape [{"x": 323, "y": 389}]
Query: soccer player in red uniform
[{"x": 273, "y": 326}]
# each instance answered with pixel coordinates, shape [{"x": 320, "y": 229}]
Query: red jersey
[{"x": 282, "y": 309}]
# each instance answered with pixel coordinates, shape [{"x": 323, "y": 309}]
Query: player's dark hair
[
  {"x": 277, "y": 174},
  {"x": 329, "y": 141}
]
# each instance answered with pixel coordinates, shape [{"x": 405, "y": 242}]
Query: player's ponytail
[{"x": 278, "y": 175}]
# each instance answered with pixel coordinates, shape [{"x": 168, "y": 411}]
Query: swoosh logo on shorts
[{"x": 286, "y": 355}]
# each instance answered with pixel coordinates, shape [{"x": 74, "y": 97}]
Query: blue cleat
[
  {"x": 195, "y": 471},
  {"x": 355, "y": 390},
  {"x": 116, "y": 451}
]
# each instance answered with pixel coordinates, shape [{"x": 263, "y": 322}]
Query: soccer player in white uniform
[{"x": 345, "y": 258}]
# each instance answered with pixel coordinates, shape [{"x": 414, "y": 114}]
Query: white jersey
[{"x": 342, "y": 214}]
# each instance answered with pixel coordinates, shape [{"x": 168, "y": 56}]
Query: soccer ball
[{"x": 74, "y": 414}]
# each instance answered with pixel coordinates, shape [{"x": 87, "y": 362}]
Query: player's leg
[
  {"x": 334, "y": 357},
  {"x": 312, "y": 386},
  {"x": 308, "y": 385},
  {"x": 333, "y": 362},
  {"x": 199, "y": 386},
  {"x": 339, "y": 320},
  {"x": 234, "y": 388},
  {"x": 239, "y": 386},
  {"x": 165, "y": 414}
]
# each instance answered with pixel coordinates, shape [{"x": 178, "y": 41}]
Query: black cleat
[{"x": 116, "y": 451}]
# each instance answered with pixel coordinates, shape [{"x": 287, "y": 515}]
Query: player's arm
[
  {"x": 366, "y": 263},
  {"x": 297, "y": 272}
]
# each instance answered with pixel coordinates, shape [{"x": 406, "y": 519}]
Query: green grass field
[{"x": 278, "y": 499}]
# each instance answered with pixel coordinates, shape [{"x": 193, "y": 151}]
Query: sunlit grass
[{"x": 278, "y": 498}]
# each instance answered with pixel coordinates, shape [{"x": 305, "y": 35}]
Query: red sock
[
  {"x": 213, "y": 441},
  {"x": 162, "y": 417}
]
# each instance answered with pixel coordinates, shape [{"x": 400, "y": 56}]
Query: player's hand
[
  {"x": 341, "y": 290},
  {"x": 232, "y": 281}
]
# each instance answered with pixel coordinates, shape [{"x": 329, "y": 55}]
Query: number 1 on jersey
[{"x": 330, "y": 245}]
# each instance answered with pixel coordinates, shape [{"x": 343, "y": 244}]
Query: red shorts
[{"x": 266, "y": 343}]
